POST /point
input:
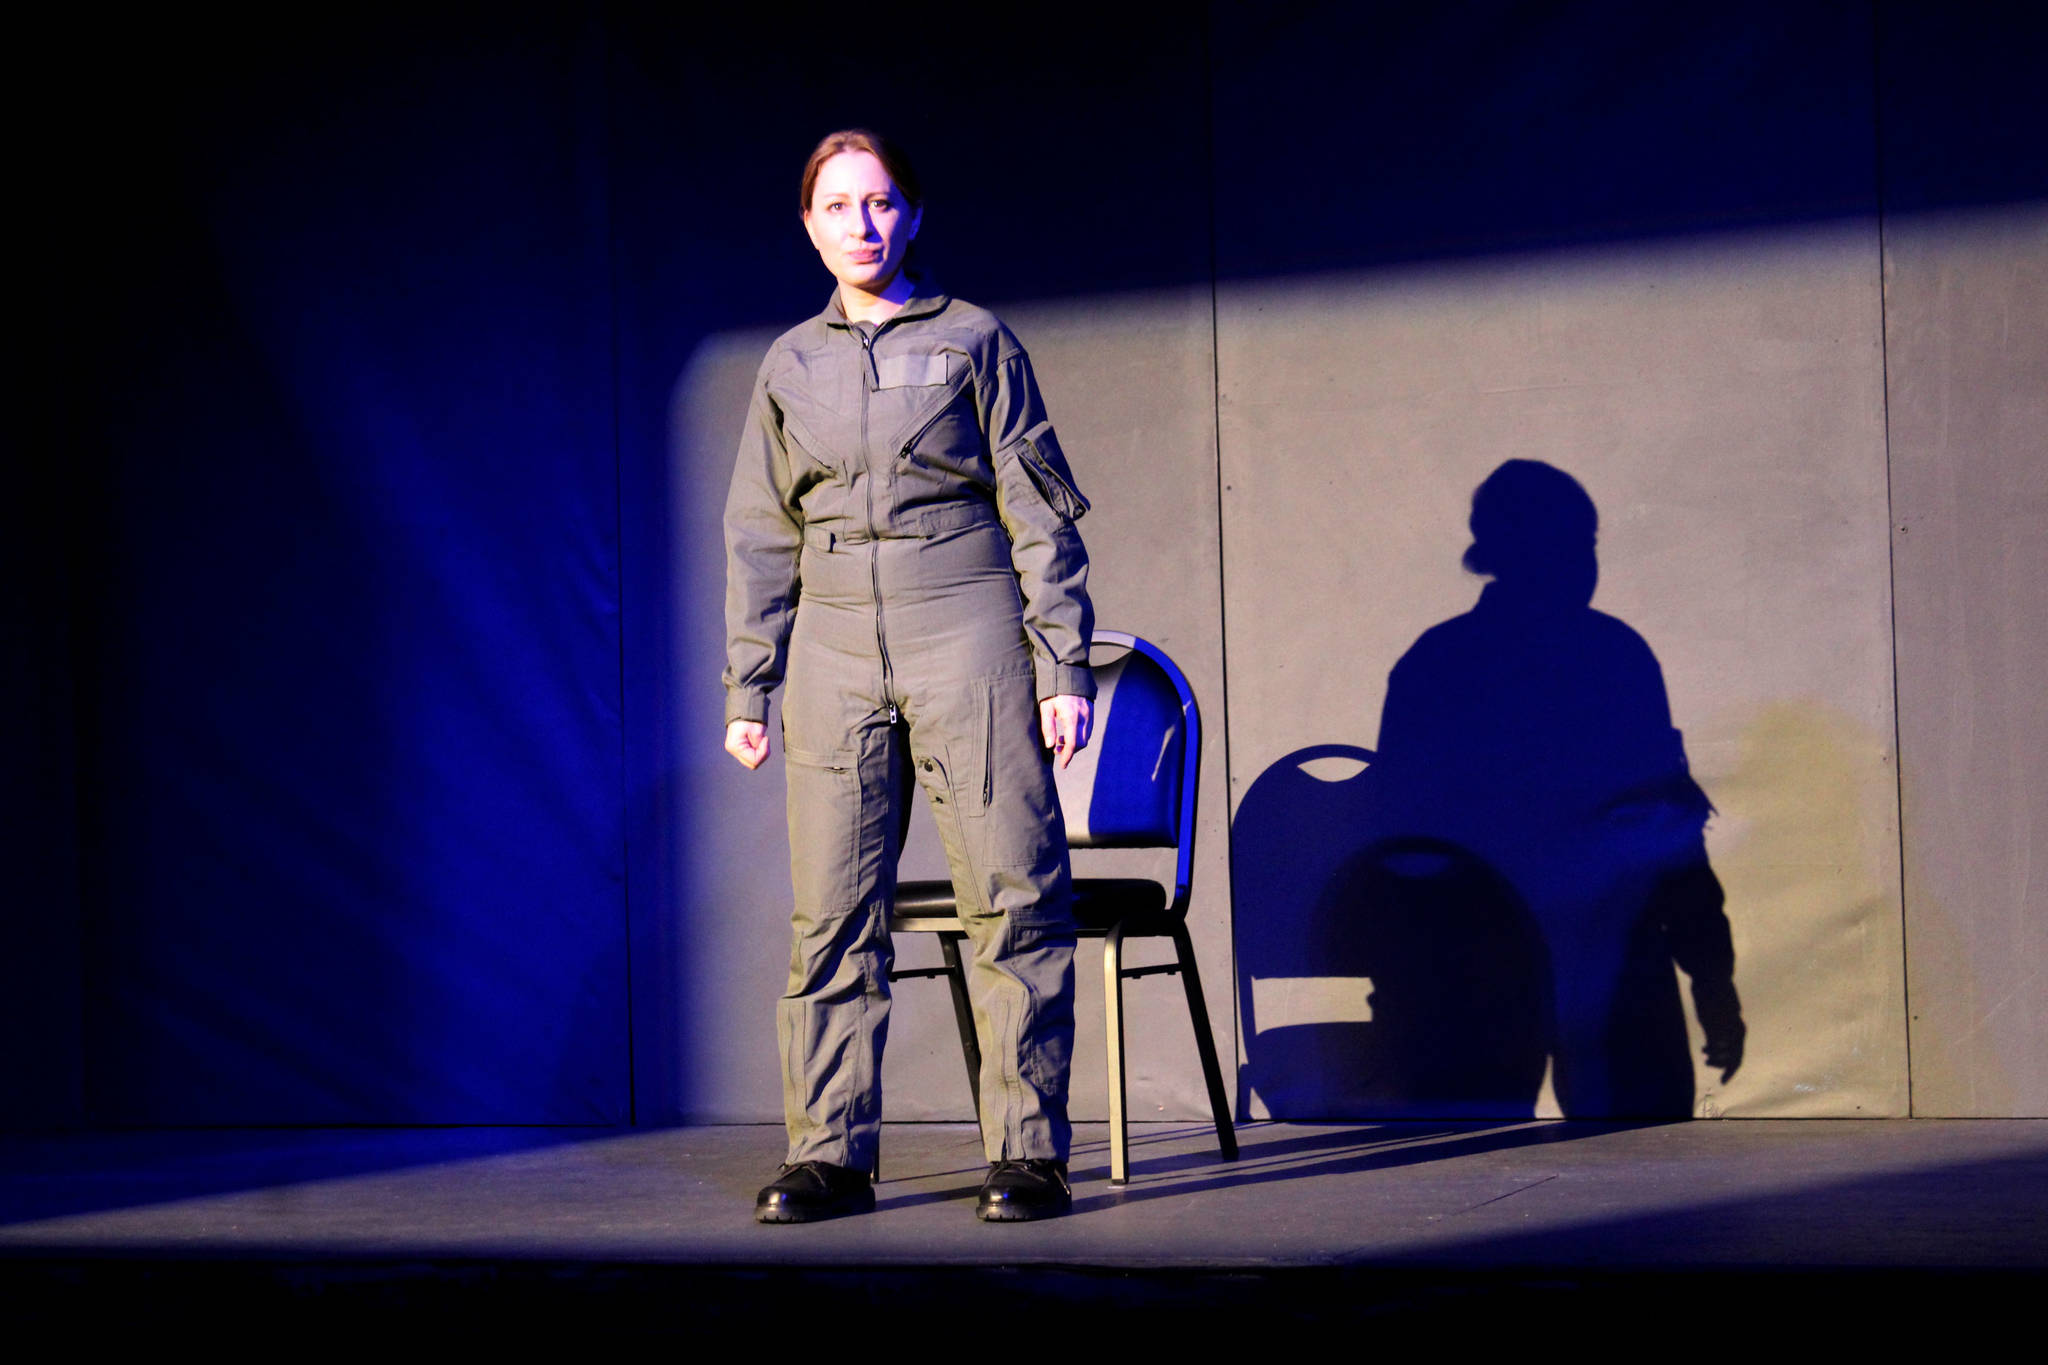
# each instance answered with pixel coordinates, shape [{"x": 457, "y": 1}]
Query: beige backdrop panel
[
  {"x": 1721, "y": 401},
  {"x": 1966, "y": 320},
  {"x": 730, "y": 947},
  {"x": 1130, "y": 382}
]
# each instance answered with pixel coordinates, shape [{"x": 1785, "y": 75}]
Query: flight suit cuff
[
  {"x": 746, "y": 703},
  {"x": 1064, "y": 680}
]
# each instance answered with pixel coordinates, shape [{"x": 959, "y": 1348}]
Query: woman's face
[{"x": 859, "y": 221}]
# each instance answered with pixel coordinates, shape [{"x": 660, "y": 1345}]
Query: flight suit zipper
[{"x": 867, "y": 381}]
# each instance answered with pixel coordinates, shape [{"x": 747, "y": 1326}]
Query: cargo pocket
[
  {"x": 1003, "y": 782},
  {"x": 1046, "y": 463},
  {"x": 824, "y": 829}
]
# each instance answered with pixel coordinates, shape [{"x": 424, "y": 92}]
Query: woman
[{"x": 900, "y": 540}]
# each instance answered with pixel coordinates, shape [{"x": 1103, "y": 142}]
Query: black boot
[
  {"x": 1019, "y": 1191},
  {"x": 811, "y": 1191}
]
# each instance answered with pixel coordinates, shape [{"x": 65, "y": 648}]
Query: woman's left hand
[{"x": 1065, "y": 722}]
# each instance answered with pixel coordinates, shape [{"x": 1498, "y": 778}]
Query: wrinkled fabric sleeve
[
  {"x": 1038, "y": 502},
  {"x": 764, "y": 537}
]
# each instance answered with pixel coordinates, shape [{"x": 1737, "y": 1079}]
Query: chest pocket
[
  {"x": 943, "y": 430},
  {"x": 809, "y": 455}
]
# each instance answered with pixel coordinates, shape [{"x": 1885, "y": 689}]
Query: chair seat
[{"x": 1100, "y": 903}]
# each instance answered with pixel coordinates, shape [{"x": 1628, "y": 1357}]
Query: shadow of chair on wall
[{"x": 1505, "y": 886}]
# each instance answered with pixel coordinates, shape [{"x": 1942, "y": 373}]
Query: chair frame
[{"x": 1172, "y": 924}]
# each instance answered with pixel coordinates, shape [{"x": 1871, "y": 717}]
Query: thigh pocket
[
  {"x": 1002, "y": 781},
  {"x": 824, "y": 826}
]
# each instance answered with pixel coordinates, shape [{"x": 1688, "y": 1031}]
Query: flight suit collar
[{"x": 924, "y": 302}]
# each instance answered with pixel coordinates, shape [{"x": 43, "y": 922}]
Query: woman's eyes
[{"x": 874, "y": 205}]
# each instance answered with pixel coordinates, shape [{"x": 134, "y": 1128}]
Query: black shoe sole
[
  {"x": 1021, "y": 1213},
  {"x": 789, "y": 1213}
]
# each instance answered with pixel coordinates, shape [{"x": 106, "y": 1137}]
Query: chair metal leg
[
  {"x": 963, "y": 1017},
  {"x": 1113, "y": 1019},
  {"x": 1205, "y": 1042}
]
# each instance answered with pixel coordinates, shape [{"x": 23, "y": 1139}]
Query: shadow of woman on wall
[{"x": 1516, "y": 870}]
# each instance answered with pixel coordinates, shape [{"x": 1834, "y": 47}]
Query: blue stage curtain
[{"x": 349, "y": 620}]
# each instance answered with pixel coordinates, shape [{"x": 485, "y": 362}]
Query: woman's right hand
[{"x": 747, "y": 741}]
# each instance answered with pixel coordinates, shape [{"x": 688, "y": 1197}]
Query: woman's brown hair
[{"x": 862, "y": 140}]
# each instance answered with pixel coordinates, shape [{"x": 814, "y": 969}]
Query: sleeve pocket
[{"x": 1047, "y": 466}]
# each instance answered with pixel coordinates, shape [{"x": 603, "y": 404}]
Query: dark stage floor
[{"x": 1451, "y": 1226}]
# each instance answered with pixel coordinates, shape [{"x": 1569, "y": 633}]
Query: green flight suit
[{"x": 900, "y": 542}]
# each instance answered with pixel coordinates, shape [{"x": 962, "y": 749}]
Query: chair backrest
[{"x": 1134, "y": 785}]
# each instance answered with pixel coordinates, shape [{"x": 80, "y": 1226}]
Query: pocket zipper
[
  {"x": 811, "y": 446},
  {"x": 1060, "y": 495},
  {"x": 930, "y": 422},
  {"x": 988, "y": 753}
]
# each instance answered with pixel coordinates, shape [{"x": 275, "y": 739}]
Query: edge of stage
[{"x": 1482, "y": 1230}]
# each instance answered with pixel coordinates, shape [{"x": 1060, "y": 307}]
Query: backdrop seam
[
  {"x": 1891, "y": 530},
  {"x": 1222, "y": 568}
]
